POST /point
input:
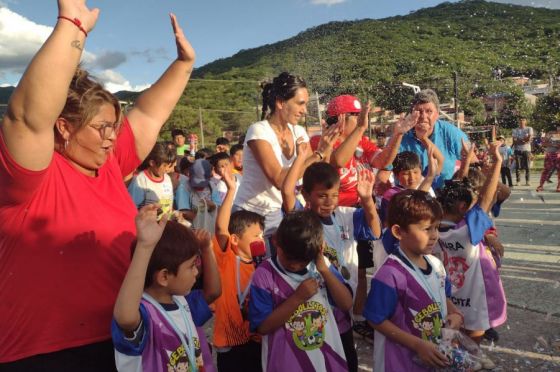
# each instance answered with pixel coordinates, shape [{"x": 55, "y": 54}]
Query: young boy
[
  {"x": 196, "y": 199},
  {"x": 342, "y": 226},
  {"x": 152, "y": 184},
  {"x": 289, "y": 304},
  {"x": 222, "y": 144},
  {"x": 220, "y": 162},
  {"x": 236, "y": 235},
  {"x": 236, "y": 154},
  {"x": 507, "y": 155},
  {"x": 407, "y": 169},
  {"x": 408, "y": 301},
  {"x": 153, "y": 328}
]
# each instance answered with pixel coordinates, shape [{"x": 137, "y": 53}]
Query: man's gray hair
[{"x": 425, "y": 96}]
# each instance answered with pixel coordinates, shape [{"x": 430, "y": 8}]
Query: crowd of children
[{"x": 436, "y": 266}]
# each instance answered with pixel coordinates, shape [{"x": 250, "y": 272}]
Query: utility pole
[
  {"x": 456, "y": 94},
  {"x": 201, "y": 128}
]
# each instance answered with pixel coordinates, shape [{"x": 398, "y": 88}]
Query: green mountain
[{"x": 371, "y": 58}]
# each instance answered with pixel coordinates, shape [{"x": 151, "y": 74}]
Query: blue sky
[{"x": 132, "y": 42}]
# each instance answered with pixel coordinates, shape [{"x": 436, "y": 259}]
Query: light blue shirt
[{"x": 447, "y": 138}]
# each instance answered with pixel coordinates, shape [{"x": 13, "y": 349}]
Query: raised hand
[
  {"x": 227, "y": 176},
  {"x": 366, "y": 182},
  {"x": 302, "y": 148},
  {"x": 432, "y": 162},
  {"x": 468, "y": 151},
  {"x": 364, "y": 116},
  {"x": 185, "y": 51},
  {"x": 405, "y": 124},
  {"x": 148, "y": 228},
  {"x": 204, "y": 239},
  {"x": 78, "y": 9},
  {"x": 329, "y": 137},
  {"x": 495, "y": 151}
]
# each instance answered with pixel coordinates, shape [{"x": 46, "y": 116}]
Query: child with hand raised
[{"x": 153, "y": 326}]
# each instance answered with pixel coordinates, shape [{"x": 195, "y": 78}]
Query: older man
[{"x": 429, "y": 129}]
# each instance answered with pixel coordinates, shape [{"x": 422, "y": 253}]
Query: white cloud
[
  {"x": 327, "y": 2},
  {"x": 21, "y": 38},
  {"x": 114, "y": 82}
]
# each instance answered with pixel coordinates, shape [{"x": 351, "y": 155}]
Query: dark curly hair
[{"x": 283, "y": 87}]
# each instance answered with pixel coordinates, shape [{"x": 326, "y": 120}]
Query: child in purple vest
[
  {"x": 154, "y": 325},
  {"x": 290, "y": 302},
  {"x": 408, "y": 302}
]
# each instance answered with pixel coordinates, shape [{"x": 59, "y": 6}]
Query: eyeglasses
[{"x": 105, "y": 130}]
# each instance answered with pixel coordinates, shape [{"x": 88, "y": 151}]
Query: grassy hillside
[{"x": 370, "y": 58}]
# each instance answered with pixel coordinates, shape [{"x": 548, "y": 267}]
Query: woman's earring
[{"x": 65, "y": 144}]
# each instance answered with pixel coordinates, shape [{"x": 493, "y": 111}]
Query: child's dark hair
[
  {"x": 184, "y": 165},
  {"x": 283, "y": 88},
  {"x": 322, "y": 174},
  {"x": 241, "y": 220},
  {"x": 235, "y": 148},
  {"x": 160, "y": 154},
  {"x": 455, "y": 191},
  {"x": 222, "y": 141},
  {"x": 476, "y": 179},
  {"x": 300, "y": 236},
  {"x": 214, "y": 159},
  {"x": 406, "y": 160},
  {"x": 412, "y": 206},
  {"x": 203, "y": 153},
  {"x": 176, "y": 245}
]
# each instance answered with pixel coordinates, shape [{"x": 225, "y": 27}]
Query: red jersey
[
  {"x": 65, "y": 243},
  {"x": 348, "y": 195}
]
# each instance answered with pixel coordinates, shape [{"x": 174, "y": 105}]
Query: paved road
[{"x": 529, "y": 227}]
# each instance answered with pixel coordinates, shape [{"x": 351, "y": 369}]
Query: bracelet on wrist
[
  {"x": 318, "y": 153},
  {"x": 75, "y": 21}
]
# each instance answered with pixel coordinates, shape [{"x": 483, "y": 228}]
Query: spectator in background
[
  {"x": 429, "y": 129},
  {"x": 152, "y": 185},
  {"x": 236, "y": 154},
  {"x": 222, "y": 144},
  {"x": 507, "y": 156},
  {"x": 179, "y": 140},
  {"x": 522, "y": 137},
  {"x": 551, "y": 144}
]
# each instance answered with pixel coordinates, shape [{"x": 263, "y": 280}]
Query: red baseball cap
[{"x": 343, "y": 105}]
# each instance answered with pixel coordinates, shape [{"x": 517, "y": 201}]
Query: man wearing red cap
[{"x": 352, "y": 151}]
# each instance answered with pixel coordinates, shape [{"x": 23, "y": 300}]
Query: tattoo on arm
[{"x": 76, "y": 44}]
